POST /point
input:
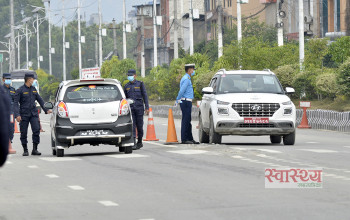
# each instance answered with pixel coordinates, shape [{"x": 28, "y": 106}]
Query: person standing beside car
[
  {"x": 26, "y": 112},
  {"x": 185, "y": 97},
  {"x": 136, "y": 91},
  {"x": 11, "y": 92}
]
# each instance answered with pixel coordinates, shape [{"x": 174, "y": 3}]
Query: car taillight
[
  {"x": 62, "y": 110},
  {"x": 124, "y": 108}
]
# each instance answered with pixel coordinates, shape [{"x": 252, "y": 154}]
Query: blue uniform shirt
[
  {"x": 11, "y": 92},
  {"x": 186, "y": 88},
  {"x": 26, "y": 97},
  {"x": 136, "y": 91}
]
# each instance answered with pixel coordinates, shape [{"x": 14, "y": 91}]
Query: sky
[{"x": 110, "y": 9}]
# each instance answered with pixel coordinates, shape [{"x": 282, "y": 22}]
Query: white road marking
[
  {"x": 312, "y": 142},
  {"x": 33, "y": 166},
  {"x": 270, "y": 151},
  {"x": 237, "y": 157},
  {"x": 124, "y": 156},
  {"x": 319, "y": 150},
  {"x": 163, "y": 145},
  {"x": 240, "y": 148},
  {"x": 52, "y": 175},
  {"x": 58, "y": 159},
  {"x": 76, "y": 187},
  {"x": 108, "y": 203},
  {"x": 188, "y": 152},
  {"x": 261, "y": 155}
]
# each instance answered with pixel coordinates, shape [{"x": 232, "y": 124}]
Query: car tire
[
  {"x": 214, "y": 138},
  {"x": 289, "y": 139},
  {"x": 59, "y": 152},
  {"x": 122, "y": 149},
  {"x": 53, "y": 146},
  {"x": 128, "y": 150},
  {"x": 203, "y": 136},
  {"x": 275, "y": 139}
]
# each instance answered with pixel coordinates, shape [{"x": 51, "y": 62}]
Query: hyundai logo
[{"x": 255, "y": 108}]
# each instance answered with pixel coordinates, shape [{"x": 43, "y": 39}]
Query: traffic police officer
[
  {"x": 136, "y": 91},
  {"x": 4, "y": 125},
  {"x": 6, "y": 79},
  {"x": 185, "y": 98},
  {"x": 26, "y": 112}
]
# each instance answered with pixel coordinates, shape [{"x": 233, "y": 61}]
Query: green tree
[
  {"x": 340, "y": 49},
  {"x": 343, "y": 78},
  {"x": 316, "y": 50}
]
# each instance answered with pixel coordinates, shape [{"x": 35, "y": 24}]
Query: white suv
[
  {"x": 91, "y": 112},
  {"x": 246, "y": 102}
]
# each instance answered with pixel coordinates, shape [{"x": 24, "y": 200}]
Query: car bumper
[
  {"x": 119, "y": 132},
  {"x": 240, "y": 128}
]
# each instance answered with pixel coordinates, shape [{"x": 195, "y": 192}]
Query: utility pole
[
  {"x": 279, "y": 27},
  {"x": 239, "y": 32},
  {"x": 114, "y": 38},
  {"x": 96, "y": 50},
  {"x": 37, "y": 39},
  {"x": 143, "y": 74},
  {"x": 27, "y": 47},
  {"x": 155, "y": 46},
  {"x": 124, "y": 30},
  {"x": 176, "y": 44},
  {"x": 191, "y": 28},
  {"x": 220, "y": 49},
  {"x": 336, "y": 16},
  {"x": 64, "y": 43},
  {"x": 100, "y": 31},
  {"x": 12, "y": 38},
  {"x": 79, "y": 40},
  {"x": 49, "y": 20},
  {"x": 19, "y": 51},
  {"x": 301, "y": 33}
]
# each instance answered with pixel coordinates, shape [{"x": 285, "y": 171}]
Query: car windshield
[
  {"x": 92, "y": 94},
  {"x": 249, "y": 83}
]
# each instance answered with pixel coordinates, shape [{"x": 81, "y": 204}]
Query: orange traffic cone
[
  {"x": 11, "y": 150},
  {"x": 16, "y": 128},
  {"x": 304, "y": 122},
  {"x": 41, "y": 128},
  {"x": 151, "y": 132},
  {"x": 171, "y": 136}
]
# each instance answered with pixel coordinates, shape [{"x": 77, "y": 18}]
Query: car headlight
[
  {"x": 287, "y": 103},
  {"x": 223, "y": 111},
  {"x": 288, "y": 111},
  {"x": 222, "y": 103}
]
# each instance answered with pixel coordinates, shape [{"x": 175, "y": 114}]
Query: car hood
[{"x": 252, "y": 98}]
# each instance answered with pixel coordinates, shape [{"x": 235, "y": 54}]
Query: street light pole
[
  {"x": 79, "y": 40},
  {"x": 191, "y": 28},
  {"x": 27, "y": 47},
  {"x": 100, "y": 31},
  {"x": 220, "y": 44},
  {"x": 50, "y": 59},
  {"x": 37, "y": 40},
  {"x": 12, "y": 38},
  {"x": 124, "y": 30},
  {"x": 19, "y": 50},
  {"x": 301, "y": 33},
  {"x": 155, "y": 46},
  {"x": 64, "y": 43}
]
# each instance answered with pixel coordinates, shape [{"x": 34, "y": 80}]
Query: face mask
[
  {"x": 194, "y": 72},
  {"x": 34, "y": 84},
  {"x": 7, "y": 81},
  {"x": 131, "y": 78}
]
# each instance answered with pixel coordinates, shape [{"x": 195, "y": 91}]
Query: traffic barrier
[
  {"x": 41, "y": 128},
  {"x": 171, "y": 134},
  {"x": 151, "y": 132},
  {"x": 11, "y": 150},
  {"x": 16, "y": 128}
]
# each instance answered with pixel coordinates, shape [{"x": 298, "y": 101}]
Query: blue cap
[
  {"x": 6, "y": 75},
  {"x": 29, "y": 75},
  {"x": 131, "y": 72}
]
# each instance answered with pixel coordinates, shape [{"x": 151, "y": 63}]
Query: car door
[{"x": 205, "y": 105}]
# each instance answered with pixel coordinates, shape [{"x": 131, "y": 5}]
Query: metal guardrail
[{"x": 318, "y": 119}]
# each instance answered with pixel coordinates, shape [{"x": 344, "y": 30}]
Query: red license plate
[{"x": 256, "y": 120}]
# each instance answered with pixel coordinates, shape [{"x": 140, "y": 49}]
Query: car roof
[
  {"x": 257, "y": 72},
  {"x": 84, "y": 82}
]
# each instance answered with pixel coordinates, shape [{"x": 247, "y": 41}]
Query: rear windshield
[{"x": 92, "y": 94}]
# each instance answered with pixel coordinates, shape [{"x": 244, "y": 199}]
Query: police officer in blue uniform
[
  {"x": 185, "y": 97},
  {"x": 136, "y": 91},
  {"x": 26, "y": 112},
  {"x": 10, "y": 91},
  {"x": 4, "y": 125}
]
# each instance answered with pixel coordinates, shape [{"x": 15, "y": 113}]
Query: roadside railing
[{"x": 318, "y": 119}]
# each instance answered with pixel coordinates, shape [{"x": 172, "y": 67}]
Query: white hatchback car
[
  {"x": 246, "y": 102},
  {"x": 91, "y": 112}
]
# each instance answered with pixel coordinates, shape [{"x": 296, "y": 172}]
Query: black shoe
[
  {"x": 194, "y": 142},
  {"x": 35, "y": 150},
  {"x": 139, "y": 145},
  {"x": 134, "y": 147},
  {"x": 25, "y": 153},
  {"x": 187, "y": 142}
]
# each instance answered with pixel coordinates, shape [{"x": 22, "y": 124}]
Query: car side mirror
[
  {"x": 290, "y": 90},
  {"x": 207, "y": 90},
  {"x": 130, "y": 101},
  {"x": 48, "y": 105}
]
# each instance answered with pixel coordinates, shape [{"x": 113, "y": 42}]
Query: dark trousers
[
  {"x": 12, "y": 127},
  {"x": 35, "y": 125},
  {"x": 186, "y": 126},
  {"x": 137, "y": 119}
]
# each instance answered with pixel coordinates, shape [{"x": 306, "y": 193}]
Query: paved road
[{"x": 177, "y": 181}]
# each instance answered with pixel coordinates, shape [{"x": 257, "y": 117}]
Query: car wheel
[
  {"x": 275, "y": 139},
  {"x": 53, "y": 146},
  {"x": 121, "y": 149},
  {"x": 60, "y": 152},
  {"x": 128, "y": 150},
  {"x": 289, "y": 139},
  {"x": 214, "y": 138},
  {"x": 203, "y": 136}
]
